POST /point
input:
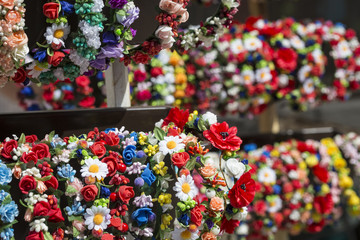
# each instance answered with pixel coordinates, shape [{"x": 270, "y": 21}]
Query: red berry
[
  {"x": 124, "y": 227},
  {"x": 113, "y": 197},
  {"x": 121, "y": 167}
]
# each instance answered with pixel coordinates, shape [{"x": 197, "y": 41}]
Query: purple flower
[
  {"x": 100, "y": 64},
  {"x": 133, "y": 14},
  {"x": 133, "y": 32},
  {"x": 111, "y": 51},
  {"x": 117, "y": 4},
  {"x": 110, "y": 38}
]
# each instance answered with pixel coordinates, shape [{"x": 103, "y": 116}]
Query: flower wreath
[
  {"x": 13, "y": 41},
  {"x": 350, "y": 144}
]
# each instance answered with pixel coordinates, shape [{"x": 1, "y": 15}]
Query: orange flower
[
  {"x": 180, "y": 78},
  {"x": 189, "y": 139},
  {"x": 41, "y": 187},
  {"x": 13, "y": 17},
  {"x": 208, "y": 236},
  {"x": 207, "y": 171},
  {"x": 17, "y": 39},
  {"x": 7, "y": 3},
  {"x": 17, "y": 172},
  {"x": 217, "y": 204},
  {"x": 179, "y": 94}
]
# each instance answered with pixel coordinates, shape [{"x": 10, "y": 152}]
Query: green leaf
[
  {"x": 73, "y": 218},
  {"x": 191, "y": 164},
  {"x": 44, "y": 179},
  {"x": 201, "y": 125},
  {"x": 6, "y": 188},
  {"x": 21, "y": 139},
  {"x": 76, "y": 232},
  {"x": 47, "y": 236},
  {"x": 49, "y": 51},
  {"x": 7, "y": 225},
  {"x": 43, "y": 46},
  {"x": 6, "y": 200},
  {"x": 70, "y": 189},
  {"x": 159, "y": 133},
  {"x": 51, "y": 136}
]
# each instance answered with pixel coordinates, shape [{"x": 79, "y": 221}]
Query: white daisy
[
  {"x": 304, "y": 73},
  {"x": 97, "y": 217},
  {"x": 236, "y": 46},
  {"x": 252, "y": 44},
  {"x": 185, "y": 188},
  {"x": 57, "y": 33},
  {"x": 318, "y": 56},
  {"x": 36, "y": 69},
  {"x": 283, "y": 80},
  {"x": 309, "y": 86},
  {"x": 247, "y": 77},
  {"x": 171, "y": 145},
  {"x": 94, "y": 168},
  {"x": 184, "y": 234},
  {"x": 274, "y": 205},
  {"x": 297, "y": 43},
  {"x": 267, "y": 175},
  {"x": 263, "y": 75},
  {"x": 342, "y": 50}
]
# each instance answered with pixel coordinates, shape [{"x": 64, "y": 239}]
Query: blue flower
[
  {"x": 277, "y": 189},
  {"x": 104, "y": 192},
  {"x": 250, "y": 147},
  {"x": 110, "y": 38},
  {"x": 76, "y": 209},
  {"x": 143, "y": 215},
  {"x": 148, "y": 176},
  {"x": 134, "y": 135},
  {"x": 140, "y": 154},
  {"x": 66, "y": 171},
  {"x": 184, "y": 219},
  {"x": 66, "y": 7},
  {"x": 128, "y": 154},
  {"x": 79, "y": 153},
  {"x": 5, "y": 174},
  {"x": 57, "y": 141},
  {"x": 27, "y": 92},
  {"x": 40, "y": 55},
  {"x": 9, "y": 212},
  {"x": 3, "y": 195},
  {"x": 7, "y": 234},
  {"x": 109, "y": 129},
  {"x": 33, "y": 107}
]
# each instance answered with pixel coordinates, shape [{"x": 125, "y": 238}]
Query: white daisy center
[
  {"x": 267, "y": 175},
  {"x": 171, "y": 144},
  {"x": 186, "y": 234},
  {"x": 59, "y": 33},
  {"x": 185, "y": 188},
  {"x": 94, "y": 168},
  {"x": 37, "y": 68},
  {"x": 272, "y": 204},
  {"x": 98, "y": 219}
]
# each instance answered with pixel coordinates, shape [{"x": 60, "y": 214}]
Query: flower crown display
[
  {"x": 107, "y": 175},
  {"x": 299, "y": 187}
]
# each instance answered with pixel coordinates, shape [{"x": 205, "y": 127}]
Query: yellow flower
[
  {"x": 179, "y": 70},
  {"x": 302, "y": 165},
  {"x": 354, "y": 200},
  {"x": 308, "y": 206},
  {"x": 311, "y": 161},
  {"x": 160, "y": 168},
  {"x": 275, "y": 153},
  {"x": 345, "y": 182},
  {"x": 325, "y": 188},
  {"x": 174, "y": 58},
  {"x": 151, "y": 150},
  {"x": 349, "y": 192},
  {"x": 339, "y": 163},
  {"x": 165, "y": 221},
  {"x": 164, "y": 198},
  {"x": 142, "y": 139},
  {"x": 180, "y": 78}
]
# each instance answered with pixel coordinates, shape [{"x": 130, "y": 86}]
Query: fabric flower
[
  {"x": 223, "y": 137},
  {"x": 243, "y": 192},
  {"x": 94, "y": 168},
  {"x": 171, "y": 145},
  {"x": 97, "y": 218},
  {"x": 185, "y": 188},
  {"x": 143, "y": 215}
]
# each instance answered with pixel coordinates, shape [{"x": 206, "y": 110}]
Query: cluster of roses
[
  {"x": 299, "y": 186},
  {"x": 164, "y": 81},
  {"x": 104, "y": 175},
  {"x": 64, "y": 94}
]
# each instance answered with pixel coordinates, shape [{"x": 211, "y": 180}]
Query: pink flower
[{"x": 79, "y": 225}]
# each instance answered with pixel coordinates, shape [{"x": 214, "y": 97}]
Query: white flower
[
  {"x": 170, "y": 145},
  {"x": 210, "y": 193},
  {"x": 184, "y": 234},
  {"x": 165, "y": 34},
  {"x": 301, "y": 30},
  {"x": 297, "y": 43},
  {"x": 241, "y": 215},
  {"x": 98, "y": 6},
  {"x": 185, "y": 188},
  {"x": 267, "y": 175},
  {"x": 275, "y": 205},
  {"x": 243, "y": 229},
  {"x": 91, "y": 33},
  {"x": 304, "y": 73},
  {"x": 260, "y": 24},
  {"x": 59, "y": 74},
  {"x": 215, "y": 230},
  {"x": 318, "y": 56},
  {"x": 20, "y": 52},
  {"x": 342, "y": 50},
  {"x": 309, "y": 86},
  {"x": 252, "y": 44},
  {"x": 97, "y": 217},
  {"x": 263, "y": 75},
  {"x": 164, "y": 56},
  {"x": 247, "y": 77},
  {"x": 293, "y": 174},
  {"x": 283, "y": 80},
  {"x": 57, "y": 33},
  {"x": 230, "y": 3},
  {"x": 236, "y": 46},
  {"x": 166, "y": 207},
  {"x": 294, "y": 215},
  {"x": 234, "y": 168},
  {"x": 38, "y": 225},
  {"x": 80, "y": 61},
  {"x": 35, "y": 172},
  {"x": 210, "y": 117},
  {"x": 37, "y": 69},
  {"x": 94, "y": 168},
  {"x": 232, "y": 106}
]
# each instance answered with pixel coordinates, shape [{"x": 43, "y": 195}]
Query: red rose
[
  {"x": 27, "y": 183},
  {"x": 321, "y": 173},
  {"x": 286, "y": 59},
  {"x": 288, "y": 187},
  {"x": 8, "y": 148},
  {"x": 56, "y": 58},
  {"x": 196, "y": 215},
  {"x": 52, "y": 183},
  {"x": 223, "y": 137},
  {"x": 156, "y": 71},
  {"x": 143, "y": 95},
  {"x": 139, "y": 76},
  {"x": 89, "y": 192},
  {"x": 35, "y": 236},
  {"x": 20, "y": 76},
  {"x": 87, "y": 102},
  {"x": 178, "y": 117},
  {"x": 41, "y": 150},
  {"x": 140, "y": 57},
  {"x": 82, "y": 81},
  {"x": 28, "y": 157},
  {"x": 125, "y": 193},
  {"x": 324, "y": 204},
  {"x": 243, "y": 192},
  {"x": 31, "y": 138},
  {"x": 111, "y": 139},
  {"x": 111, "y": 164},
  {"x": 229, "y": 225},
  {"x": 51, "y": 10},
  {"x": 41, "y": 208},
  {"x": 316, "y": 227},
  {"x": 260, "y": 207},
  {"x": 98, "y": 149},
  {"x": 180, "y": 159},
  {"x": 55, "y": 215}
]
